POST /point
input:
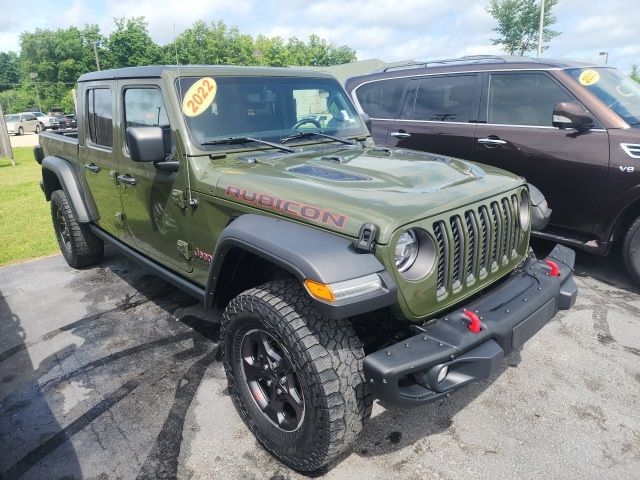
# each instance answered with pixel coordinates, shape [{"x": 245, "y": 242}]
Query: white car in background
[
  {"x": 21, "y": 123},
  {"x": 47, "y": 121}
]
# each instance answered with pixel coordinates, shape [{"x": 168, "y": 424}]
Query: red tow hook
[
  {"x": 555, "y": 270},
  {"x": 474, "y": 321}
]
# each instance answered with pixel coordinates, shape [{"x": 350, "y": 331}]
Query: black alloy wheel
[{"x": 272, "y": 380}]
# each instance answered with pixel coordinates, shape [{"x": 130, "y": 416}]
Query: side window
[
  {"x": 381, "y": 99},
  {"x": 448, "y": 99},
  {"x": 100, "y": 115},
  {"x": 523, "y": 99},
  {"x": 144, "y": 107}
]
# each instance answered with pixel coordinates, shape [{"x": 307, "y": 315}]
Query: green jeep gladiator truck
[{"x": 345, "y": 272}]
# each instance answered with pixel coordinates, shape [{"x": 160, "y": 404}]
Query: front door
[
  {"x": 154, "y": 201},
  {"x": 97, "y": 155},
  {"x": 570, "y": 168},
  {"x": 438, "y": 115}
]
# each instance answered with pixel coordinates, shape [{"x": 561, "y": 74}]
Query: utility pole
[
  {"x": 540, "y": 29},
  {"x": 95, "y": 52},
  {"x": 34, "y": 76},
  {"x": 606, "y": 56},
  {"x": 5, "y": 143}
]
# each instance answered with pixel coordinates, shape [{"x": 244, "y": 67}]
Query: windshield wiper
[
  {"x": 236, "y": 140},
  {"x": 316, "y": 134}
]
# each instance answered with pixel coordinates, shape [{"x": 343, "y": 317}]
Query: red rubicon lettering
[{"x": 295, "y": 209}]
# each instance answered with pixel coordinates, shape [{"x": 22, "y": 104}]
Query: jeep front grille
[{"x": 483, "y": 239}]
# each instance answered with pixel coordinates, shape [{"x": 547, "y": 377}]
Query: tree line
[{"x": 59, "y": 57}]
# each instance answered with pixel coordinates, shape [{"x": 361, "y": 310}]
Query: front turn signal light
[
  {"x": 319, "y": 290},
  {"x": 335, "y": 292}
]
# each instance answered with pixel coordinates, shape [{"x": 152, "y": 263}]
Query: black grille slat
[
  {"x": 440, "y": 233},
  {"x": 485, "y": 231},
  {"x": 472, "y": 252},
  {"x": 508, "y": 230},
  {"x": 516, "y": 224},
  {"x": 456, "y": 231},
  {"x": 496, "y": 235}
]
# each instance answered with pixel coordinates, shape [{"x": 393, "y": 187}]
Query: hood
[
  {"x": 11, "y": 125},
  {"x": 342, "y": 188}
]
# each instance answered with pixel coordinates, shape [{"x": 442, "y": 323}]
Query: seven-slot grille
[{"x": 481, "y": 240}]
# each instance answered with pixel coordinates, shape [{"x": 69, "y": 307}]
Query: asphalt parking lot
[{"x": 111, "y": 373}]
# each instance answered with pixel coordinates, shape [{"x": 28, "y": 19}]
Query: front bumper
[{"x": 406, "y": 373}]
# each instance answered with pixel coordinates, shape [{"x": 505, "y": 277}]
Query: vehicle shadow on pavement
[
  {"x": 25, "y": 415},
  {"x": 412, "y": 425}
]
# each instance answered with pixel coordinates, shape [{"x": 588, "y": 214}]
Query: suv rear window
[
  {"x": 447, "y": 99},
  {"x": 380, "y": 99},
  {"x": 100, "y": 115},
  {"x": 523, "y": 99}
]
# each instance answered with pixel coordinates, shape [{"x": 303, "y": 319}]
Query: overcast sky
[{"x": 389, "y": 30}]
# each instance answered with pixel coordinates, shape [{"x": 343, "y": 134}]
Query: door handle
[
  {"x": 400, "y": 134},
  {"x": 92, "y": 167},
  {"x": 127, "y": 180},
  {"x": 491, "y": 141}
]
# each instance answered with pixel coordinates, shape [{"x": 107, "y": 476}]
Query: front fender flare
[
  {"x": 84, "y": 208},
  {"x": 307, "y": 253}
]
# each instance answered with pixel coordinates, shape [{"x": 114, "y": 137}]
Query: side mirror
[
  {"x": 367, "y": 121},
  {"x": 572, "y": 115},
  {"x": 146, "y": 144}
]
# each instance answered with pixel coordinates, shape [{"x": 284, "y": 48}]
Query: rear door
[
  {"x": 380, "y": 99},
  {"x": 568, "y": 167},
  {"x": 97, "y": 157},
  {"x": 439, "y": 114}
]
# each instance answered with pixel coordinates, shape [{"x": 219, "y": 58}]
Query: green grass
[{"x": 25, "y": 218}]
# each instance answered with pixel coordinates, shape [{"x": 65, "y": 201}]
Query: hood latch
[{"x": 366, "y": 238}]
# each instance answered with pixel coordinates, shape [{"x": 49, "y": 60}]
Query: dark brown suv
[{"x": 571, "y": 128}]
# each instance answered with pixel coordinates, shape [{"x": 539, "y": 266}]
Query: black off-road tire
[
  {"x": 20, "y": 131},
  {"x": 38, "y": 129},
  {"x": 78, "y": 244},
  {"x": 327, "y": 357}
]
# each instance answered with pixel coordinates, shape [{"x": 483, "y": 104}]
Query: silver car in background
[
  {"x": 20, "y": 123},
  {"x": 48, "y": 122}
]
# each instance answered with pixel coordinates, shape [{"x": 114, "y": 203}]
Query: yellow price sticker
[
  {"x": 199, "y": 96},
  {"x": 589, "y": 77}
]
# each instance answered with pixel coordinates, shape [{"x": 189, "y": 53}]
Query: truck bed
[{"x": 61, "y": 143}]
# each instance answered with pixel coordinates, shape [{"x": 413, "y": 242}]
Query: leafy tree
[
  {"x": 635, "y": 73},
  {"x": 130, "y": 44},
  {"x": 9, "y": 69},
  {"x": 518, "y": 24},
  {"x": 60, "y": 56}
]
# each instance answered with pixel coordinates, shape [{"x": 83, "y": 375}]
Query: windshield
[
  {"x": 11, "y": 118},
  {"x": 617, "y": 90},
  {"x": 267, "y": 108}
]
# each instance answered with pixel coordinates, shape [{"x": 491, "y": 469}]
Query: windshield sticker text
[
  {"x": 589, "y": 77},
  {"x": 310, "y": 212},
  {"x": 199, "y": 97}
]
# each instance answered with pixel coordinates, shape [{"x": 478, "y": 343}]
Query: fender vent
[
  {"x": 631, "y": 149},
  {"x": 327, "y": 173}
]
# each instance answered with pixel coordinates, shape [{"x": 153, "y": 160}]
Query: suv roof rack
[{"x": 465, "y": 59}]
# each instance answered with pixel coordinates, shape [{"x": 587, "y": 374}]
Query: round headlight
[
  {"x": 524, "y": 211},
  {"x": 415, "y": 254},
  {"x": 406, "y": 250}
]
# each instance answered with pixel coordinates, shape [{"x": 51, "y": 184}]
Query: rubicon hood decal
[{"x": 289, "y": 207}]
